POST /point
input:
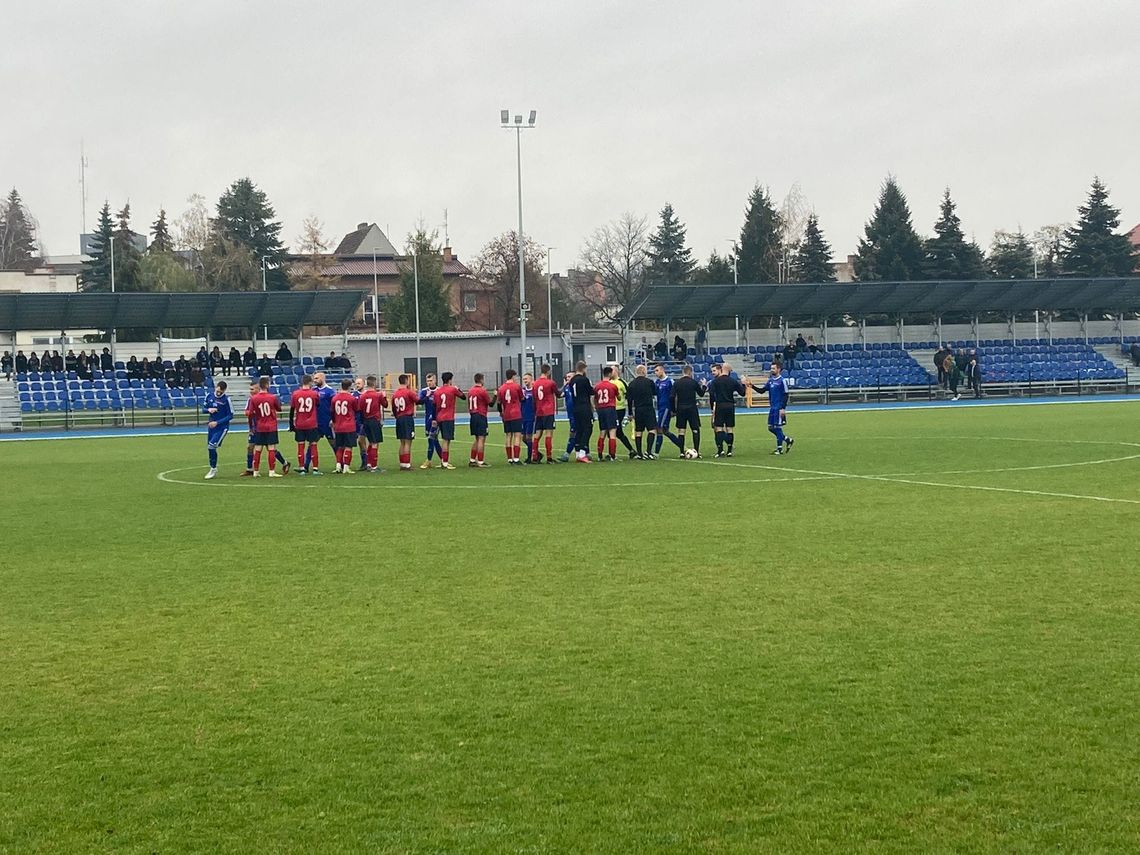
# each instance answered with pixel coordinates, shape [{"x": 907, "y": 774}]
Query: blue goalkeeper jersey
[
  {"x": 428, "y": 403},
  {"x": 777, "y": 390},
  {"x": 225, "y": 413},
  {"x": 527, "y": 405},
  {"x": 664, "y": 387},
  {"x": 324, "y": 407}
]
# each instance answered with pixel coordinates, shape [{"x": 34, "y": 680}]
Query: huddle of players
[{"x": 353, "y": 416}]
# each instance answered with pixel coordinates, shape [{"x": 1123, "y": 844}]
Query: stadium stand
[
  {"x": 113, "y": 392},
  {"x": 1037, "y": 360}
]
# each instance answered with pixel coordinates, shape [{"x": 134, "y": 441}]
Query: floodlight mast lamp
[{"x": 518, "y": 127}]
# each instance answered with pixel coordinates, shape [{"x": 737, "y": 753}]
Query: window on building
[
  {"x": 470, "y": 301},
  {"x": 370, "y": 309}
]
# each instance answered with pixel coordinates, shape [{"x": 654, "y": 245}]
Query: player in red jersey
[
  {"x": 404, "y": 401},
  {"x": 605, "y": 397},
  {"x": 344, "y": 407},
  {"x": 263, "y": 409},
  {"x": 371, "y": 403},
  {"x": 545, "y": 406},
  {"x": 303, "y": 405},
  {"x": 444, "y": 398},
  {"x": 510, "y": 408},
  {"x": 478, "y": 405}
]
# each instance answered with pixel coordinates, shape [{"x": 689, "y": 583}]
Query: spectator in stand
[
  {"x": 182, "y": 371},
  {"x": 789, "y": 354},
  {"x": 197, "y": 375},
  {"x": 283, "y": 353},
  {"x": 81, "y": 366},
  {"x": 801, "y": 343},
  {"x": 264, "y": 366},
  {"x": 106, "y": 361},
  {"x": 974, "y": 374},
  {"x": 813, "y": 349},
  {"x": 34, "y": 362},
  {"x": 71, "y": 362},
  {"x": 1133, "y": 351},
  {"x": 6, "y": 364},
  {"x": 217, "y": 360},
  {"x": 202, "y": 357},
  {"x": 680, "y": 349},
  {"x": 234, "y": 362},
  {"x": 146, "y": 370},
  {"x": 22, "y": 362},
  {"x": 249, "y": 358},
  {"x": 133, "y": 371},
  {"x": 55, "y": 362},
  {"x": 940, "y": 364},
  {"x": 169, "y": 375},
  {"x": 661, "y": 349},
  {"x": 646, "y": 348},
  {"x": 331, "y": 361},
  {"x": 702, "y": 340},
  {"x": 960, "y": 361},
  {"x": 953, "y": 374}
]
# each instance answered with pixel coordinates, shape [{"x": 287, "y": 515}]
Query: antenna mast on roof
[
  {"x": 83, "y": 186},
  {"x": 446, "y": 236}
]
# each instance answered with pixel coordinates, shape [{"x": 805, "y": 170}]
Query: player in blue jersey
[
  {"x": 568, "y": 400},
  {"x": 431, "y": 427},
  {"x": 777, "y": 391},
  {"x": 221, "y": 413},
  {"x": 528, "y": 415},
  {"x": 664, "y": 386},
  {"x": 324, "y": 409}
]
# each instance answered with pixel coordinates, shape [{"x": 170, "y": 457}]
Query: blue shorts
[
  {"x": 528, "y": 428},
  {"x": 326, "y": 431},
  {"x": 215, "y": 436},
  {"x": 775, "y": 419},
  {"x": 663, "y": 419}
]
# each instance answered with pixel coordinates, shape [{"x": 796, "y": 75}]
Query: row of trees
[
  {"x": 787, "y": 244},
  {"x": 225, "y": 252}
]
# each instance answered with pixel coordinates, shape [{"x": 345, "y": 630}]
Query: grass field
[{"x": 918, "y": 632}]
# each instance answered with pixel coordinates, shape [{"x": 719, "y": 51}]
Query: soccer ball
[{"x": 690, "y": 454}]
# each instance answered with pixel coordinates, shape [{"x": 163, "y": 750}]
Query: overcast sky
[{"x": 389, "y": 112}]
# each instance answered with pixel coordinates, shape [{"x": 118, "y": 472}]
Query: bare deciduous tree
[
  {"x": 498, "y": 267},
  {"x": 309, "y": 275},
  {"x": 616, "y": 254},
  {"x": 192, "y": 228}
]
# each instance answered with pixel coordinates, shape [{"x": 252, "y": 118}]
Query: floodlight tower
[{"x": 518, "y": 127}]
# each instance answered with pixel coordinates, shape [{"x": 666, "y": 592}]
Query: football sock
[
  {"x": 255, "y": 464},
  {"x": 570, "y": 444},
  {"x": 637, "y": 439},
  {"x": 549, "y": 446},
  {"x": 444, "y": 454},
  {"x": 348, "y": 457},
  {"x": 613, "y": 447},
  {"x": 696, "y": 439},
  {"x": 718, "y": 437},
  {"x": 273, "y": 462},
  {"x": 677, "y": 441},
  {"x": 313, "y": 456},
  {"x": 529, "y": 443},
  {"x": 728, "y": 440},
  {"x": 374, "y": 456},
  {"x": 601, "y": 445},
  {"x": 481, "y": 453},
  {"x": 517, "y": 451},
  {"x": 301, "y": 455},
  {"x": 279, "y": 457},
  {"x": 779, "y": 437},
  {"x": 624, "y": 439},
  {"x": 249, "y": 455},
  {"x": 213, "y": 458},
  {"x": 660, "y": 442}
]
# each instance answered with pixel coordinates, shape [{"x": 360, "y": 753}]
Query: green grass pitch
[{"x": 918, "y": 632}]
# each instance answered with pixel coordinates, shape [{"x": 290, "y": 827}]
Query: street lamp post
[
  {"x": 518, "y": 127},
  {"x": 376, "y": 308},
  {"x": 113, "y": 337},
  {"x": 416, "y": 290},
  {"x": 549, "y": 310},
  {"x": 265, "y": 328}
]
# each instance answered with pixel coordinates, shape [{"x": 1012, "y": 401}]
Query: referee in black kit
[
  {"x": 583, "y": 411},
  {"x": 641, "y": 395},
  {"x": 722, "y": 392},
  {"x": 686, "y": 391}
]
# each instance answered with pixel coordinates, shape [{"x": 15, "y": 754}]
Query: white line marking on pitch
[{"x": 386, "y": 485}]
